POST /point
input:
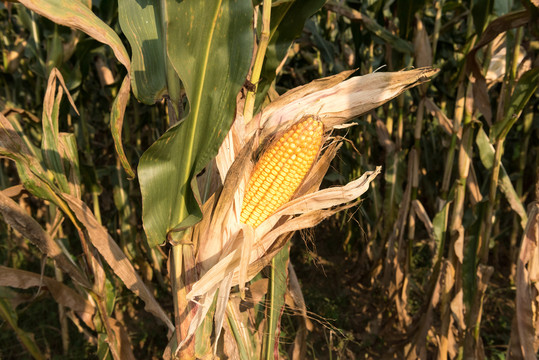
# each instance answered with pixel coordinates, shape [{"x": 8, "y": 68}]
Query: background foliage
[{"x": 428, "y": 261}]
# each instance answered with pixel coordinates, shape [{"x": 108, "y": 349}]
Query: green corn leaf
[
  {"x": 141, "y": 23},
  {"x": 77, "y": 15},
  {"x": 203, "y": 345},
  {"x": 287, "y": 20},
  {"x": 278, "y": 284},
  {"x": 440, "y": 227},
  {"x": 209, "y": 45},
  {"x": 70, "y": 158},
  {"x": 50, "y": 143},
  {"x": 525, "y": 88},
  {"x": 481, "y": 11},
  {"x": 406, "y": 10},
  {"x": 17, "y": 147},
  {"x": 486, "y": 154}
]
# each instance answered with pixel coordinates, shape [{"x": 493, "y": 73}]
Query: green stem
[
  {"x": 176, "y": 272},
  {"x": 259, "y": 61},
  {"x": 95, "y": 201},
  {"x": 485, "y": 236}
]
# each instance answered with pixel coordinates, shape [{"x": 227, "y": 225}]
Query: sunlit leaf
[
  {"x": 75, "y": 14},
  {"x": 116, "y": 123},
  {"x": 78, "y": 16},
  {"x": 51, "y": 140},
  {"x": 212, "y": 64}
]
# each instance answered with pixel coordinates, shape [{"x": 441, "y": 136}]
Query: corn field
[{"x": 269, "y": 179}]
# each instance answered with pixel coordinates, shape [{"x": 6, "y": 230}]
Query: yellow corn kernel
[{"x": 281, "y": 169}]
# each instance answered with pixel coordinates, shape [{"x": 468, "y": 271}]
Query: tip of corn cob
[{"x": 281, "y": 169}]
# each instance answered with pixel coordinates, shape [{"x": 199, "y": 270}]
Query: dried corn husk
[{"x": 230, "y": 253}]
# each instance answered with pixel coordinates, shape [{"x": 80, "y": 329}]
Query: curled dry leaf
[
  {"x": 61, "y": 293},
  {"x": 422, "y": 48},
  {"x": 230, "y": 253},
  {"x": 496, "y": 27},
  {"x": 15, "y": 216},
  {"x": 123, "y": 345},
  {"x": 339, "y": 103},
  {"x": 421, "y": 213},
  {"x": 524, "y": 341}
]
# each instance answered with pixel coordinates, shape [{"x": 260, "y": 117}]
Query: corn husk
[{"x": 230, "y": 253}]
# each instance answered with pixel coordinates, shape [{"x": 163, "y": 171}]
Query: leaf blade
[
  {"x": 140, "y": 22},
  {"x": 199, "y": 49}
]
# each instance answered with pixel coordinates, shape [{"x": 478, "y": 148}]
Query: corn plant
[
  {"x": 229, "y": 165},
  {"x": 214, "y": 247}
]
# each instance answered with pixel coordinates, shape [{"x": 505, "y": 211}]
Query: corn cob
[{"x": 281, "y": 169}]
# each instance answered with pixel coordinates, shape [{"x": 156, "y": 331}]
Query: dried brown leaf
[
  {"x": 457, "y": 308},
  {"x": 221, "y": 305},
  {"x": 51, "y": 94},
  {"x": 341, "y": 102},
  {"x": 255, "y": 293},
  {"x": 106, "y": 78},
  {"x": 297, "y": 295},
  {"x": 422, "y": 48},
  {"x": 61, "y": 293},
  {"x": 316, "y": 174},
  {"x": 230, "y": 345},
  {"x": 421, "y": 213},
  {"x": 495, "y": 27},
  {"x": 383, "y": 137},
  {"x": 10, "y": 141},
  {"x": 123, "y": 344},
  {"x": 8, "y": 112},
  {"x": 246, "y": 247},
  {"x": 15, "y": 216},
  {"x": 300, "y": 92},
  {"x": 116, "y": 123},
  {"x": 444, "y": 121},
  {"x": 215, "y": 240},
  {"x": 259, "y": 258},
  {"x": 524, "y": 341},
  {"x": 330, "y": 197},
  {"x": 473, "y": 187},
  {"x": 299, "y": 349},
  {"x": 459, "y": 243},
  {"x": 117, "y": 260}
]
